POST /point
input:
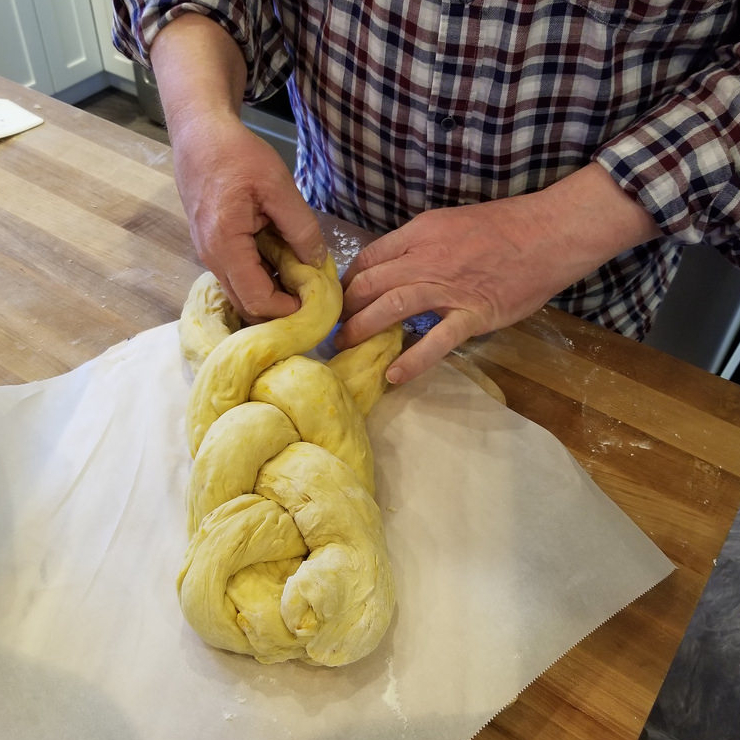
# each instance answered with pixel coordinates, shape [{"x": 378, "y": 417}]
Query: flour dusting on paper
[{"x": 391, "y": 696}]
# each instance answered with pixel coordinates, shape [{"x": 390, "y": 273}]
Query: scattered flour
[{"x": 391, "y": 696}]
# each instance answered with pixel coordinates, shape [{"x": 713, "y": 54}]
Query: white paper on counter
[
  {"x": 14, "y": 119},
  {"x": 505, "y": 555}
]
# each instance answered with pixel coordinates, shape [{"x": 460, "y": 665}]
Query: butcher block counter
[{"x": 94, "y": 248}]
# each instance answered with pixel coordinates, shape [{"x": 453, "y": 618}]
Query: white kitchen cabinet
[
  {"x": 51, "y": 46},
  {"x": 71, "y": 42},
  {"x": 22, "y": 54},
  {"x": 113, "y": 61}
]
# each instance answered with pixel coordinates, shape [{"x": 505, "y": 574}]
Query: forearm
[{"x": 199, "y": 69}]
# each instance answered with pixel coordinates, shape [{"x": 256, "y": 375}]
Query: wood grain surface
[{"x": 94, "y": 248}]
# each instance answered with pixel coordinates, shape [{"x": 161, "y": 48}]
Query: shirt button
[{"x": 448, "y": 123}]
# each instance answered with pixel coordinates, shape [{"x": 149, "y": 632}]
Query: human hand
[
  {"x": 483, "y": 267},
  {"x": 470, "y": 264},
  {"x": 232, "y": 184}
]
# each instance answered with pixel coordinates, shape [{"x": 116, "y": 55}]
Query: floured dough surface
[{"x": 287, "y": 556}]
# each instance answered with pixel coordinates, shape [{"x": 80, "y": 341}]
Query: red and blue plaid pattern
[{"x": 406, "y": 106}]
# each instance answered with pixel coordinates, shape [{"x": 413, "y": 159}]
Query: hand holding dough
[{"x": 287, "y": 555}]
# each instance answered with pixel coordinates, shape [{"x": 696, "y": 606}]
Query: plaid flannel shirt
[{"x": 406, "y": 106}]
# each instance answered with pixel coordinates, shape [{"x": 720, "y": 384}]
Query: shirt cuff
[{"x": 682, "y": 162}]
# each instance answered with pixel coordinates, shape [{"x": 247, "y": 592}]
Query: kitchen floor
[
  {"x": 700, "y": 699},
  {"x": 124, "y": 109}
]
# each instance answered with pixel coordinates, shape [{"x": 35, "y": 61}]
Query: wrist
[{"x": 594, "y": 217}]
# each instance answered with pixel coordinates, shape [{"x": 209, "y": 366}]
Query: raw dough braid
[{"x": 287, "y": 555}]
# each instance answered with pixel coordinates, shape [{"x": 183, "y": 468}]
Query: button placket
[{"x": 448, "y": 104}]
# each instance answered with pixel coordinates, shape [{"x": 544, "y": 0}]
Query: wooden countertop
[{"x": 94, "y": 248}]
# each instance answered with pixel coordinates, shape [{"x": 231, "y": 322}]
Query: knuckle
[
  {"x": 209, "y": 228},
  {"x": 272, "y": 186},
  {"x": 254, "y": 310},
  {"x": 431, "y": 221},
  {"x": 447, "y": 336},
  {"x": 397, "y": 303},
  {"x": 363, "y": 285},
  {"x": 305, "y": 231},
  {"x": 352, "y": 332},
  {"x": 362, "y": 260},
  {"x": 256, "y": 307},
  {"x": 480, "y": 317}
]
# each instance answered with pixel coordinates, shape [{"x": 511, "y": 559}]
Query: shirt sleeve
[
  {"x": 681, "y": 160},
  {"x": 254, "y": 25}
]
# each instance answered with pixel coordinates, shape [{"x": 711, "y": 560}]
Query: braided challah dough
[{"x": 287, "y": 555}]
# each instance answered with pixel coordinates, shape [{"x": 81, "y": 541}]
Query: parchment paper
[{"x": 504, "y": 551}]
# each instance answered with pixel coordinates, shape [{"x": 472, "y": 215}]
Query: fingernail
[{"x": 394, "y": 375}]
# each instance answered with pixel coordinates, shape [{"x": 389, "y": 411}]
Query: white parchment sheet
[{"x": 504, "y": 551}]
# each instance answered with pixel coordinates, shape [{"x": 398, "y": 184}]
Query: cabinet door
[
  {"x": 22, "y": 55},
  {"x": 113, "y": 61},
  {"x": 69, "y": 37}
]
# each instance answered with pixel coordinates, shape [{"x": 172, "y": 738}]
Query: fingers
[
  {"x": 383, "y": 249},
  {"x": 451, "y": 332},
  {"x": 458, "y": 325},
  {"x": 389, "y": 308},
  {"x": 298, "y": 225},
  {"x": 251, "y": 289},
  {"x": 377, "y": 273},
  {"x": 281, "y": 201}
]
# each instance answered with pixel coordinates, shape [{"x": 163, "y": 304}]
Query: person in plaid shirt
[{"x": 511, "y": 152}]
